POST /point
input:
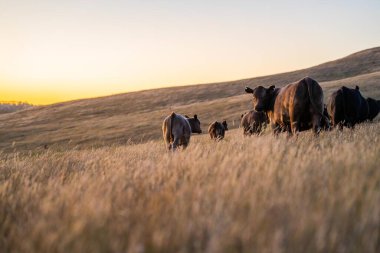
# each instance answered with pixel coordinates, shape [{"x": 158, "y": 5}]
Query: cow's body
[
  {"x": 177, "y": 129},
  {"x": 347, "y": 107},
  {"x": 296, "y": 107},
  {"x": 217, "y": 130},
  {"x": 253, "y": 122},
  {"x": 373, "y": 107}
]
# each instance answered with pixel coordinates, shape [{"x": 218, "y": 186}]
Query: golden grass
[{"x": 258, "y": 194}]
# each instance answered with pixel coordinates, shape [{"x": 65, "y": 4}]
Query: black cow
[
  {"x": 374, "y": 108},
  {"x": 347, "y": 107}
]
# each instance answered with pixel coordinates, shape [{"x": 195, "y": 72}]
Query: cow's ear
[
  {"x": 271, "y": 88},
  {"x": 187, "y": 117},
  {"x": 195, "y": 116},
  {"x": 356, "y": 87},
  {"x": 248, "y": 90}
]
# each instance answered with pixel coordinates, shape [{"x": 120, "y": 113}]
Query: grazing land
[
  {"x": 136, "y": 117},
  {"x": 253, "y": 194},
  {"x": 94, "y": 175}
]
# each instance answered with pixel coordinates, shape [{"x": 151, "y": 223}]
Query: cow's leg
[
  {"x": 295, "y": 125},
  {"x": 247, "y": 131},
  {"x": 167, "y": 143},
  {"x": 175, "y": 143},
  {"x": 276, "y": 129},
  {"x": 340, "y": 126},
  {"x": 337, "y": 123},
  {"x": 294, "y": 119},
  {"x": 316, "y": 121},
  {"x": 185, "y": 141}
]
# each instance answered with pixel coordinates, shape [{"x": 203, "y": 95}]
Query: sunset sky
[{"x": 54, "y": 50}]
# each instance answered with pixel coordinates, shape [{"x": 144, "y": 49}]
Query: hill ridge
[{"x": 137, "y": 116}]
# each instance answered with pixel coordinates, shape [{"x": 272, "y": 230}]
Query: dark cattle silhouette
[
  {"x": 177, "y": 129},
  {"x": 374, "y": 108},
  {"x": 296, "y": 107},
  {"x": 347, "y": 107},
  {"x": 217, "y": 130},
  {"x": 253, "y": 122}
]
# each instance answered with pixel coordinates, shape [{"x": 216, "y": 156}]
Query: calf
[
  {"x": 217, "y": 130},
  {"x": 177, "y": 129},
  {"x": 253, "y": 122}
]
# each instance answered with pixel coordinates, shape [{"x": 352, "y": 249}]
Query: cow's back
[
  {"x": 298, "y": 101},
  {"x": 181, "y": 126},
  {"x": 175, "y": 127}
]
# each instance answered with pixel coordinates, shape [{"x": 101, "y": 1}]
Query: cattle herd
[{"x": 293, "y": 108}]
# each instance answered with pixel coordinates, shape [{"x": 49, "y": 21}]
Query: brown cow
[
  {"x": 217, "y": 130},
  {"x": 296, "y": 107},
  {"x": 177, "y": 129},
  {"x": 253, "y": 122}
]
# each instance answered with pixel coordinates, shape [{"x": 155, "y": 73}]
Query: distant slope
[
  {"x": 137, "y": 116},
  {"x": 8, "y": 107}
]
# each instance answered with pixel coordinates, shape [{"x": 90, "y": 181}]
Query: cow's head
[
  {"x": 224, "y": 123},
  {"x": 195, "y": 124},
  {"x": 261, "y": 97}
]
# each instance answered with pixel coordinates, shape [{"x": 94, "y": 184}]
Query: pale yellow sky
[{"x": 53, "y": 51}]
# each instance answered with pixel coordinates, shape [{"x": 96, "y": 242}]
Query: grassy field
[
  {"x": 137, "y": 116},
  {"x": 257, "y": 194},
  {"x": 93, "y": 175}
]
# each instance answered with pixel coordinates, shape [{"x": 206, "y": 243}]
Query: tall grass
[{"x": 257, "y": 194}]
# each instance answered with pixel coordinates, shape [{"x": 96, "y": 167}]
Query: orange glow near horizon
[{"x": 54, "y": 51}]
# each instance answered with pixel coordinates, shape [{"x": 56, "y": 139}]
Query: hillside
[
  {"x": 8, "y": 107},
  {"x": 137, "y": 116}
]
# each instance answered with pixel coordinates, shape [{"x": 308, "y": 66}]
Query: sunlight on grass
[{"x": 257, "y": 194}]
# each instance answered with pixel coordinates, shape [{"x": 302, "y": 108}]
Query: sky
[{"x": 52, "y": 51}]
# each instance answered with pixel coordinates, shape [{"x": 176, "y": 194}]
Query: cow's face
[
  {"x": 224, "y": 123},
  {"x": 195, "y": 124},
  {"x": 261, "y": 97}
]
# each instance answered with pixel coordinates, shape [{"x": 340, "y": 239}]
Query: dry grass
[{"x": 258, "y": 194}]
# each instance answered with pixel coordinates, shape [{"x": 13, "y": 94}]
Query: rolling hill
[{"x": 137, "y": 116}]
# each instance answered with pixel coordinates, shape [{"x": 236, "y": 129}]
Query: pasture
[
  {"x": 137, "y": 116},
  {"x": 256, "y": 194},
  {"x": 94, "y": 175}
]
